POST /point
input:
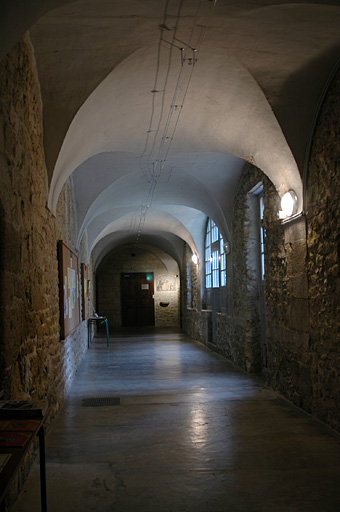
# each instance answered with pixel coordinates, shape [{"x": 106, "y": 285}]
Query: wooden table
[{"x": 17, "y": 433}]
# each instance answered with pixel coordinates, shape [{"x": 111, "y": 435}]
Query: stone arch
[{"x": 131, "y": 258}]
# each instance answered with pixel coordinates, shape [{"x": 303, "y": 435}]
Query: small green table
[{"x": 94, "y": 319}]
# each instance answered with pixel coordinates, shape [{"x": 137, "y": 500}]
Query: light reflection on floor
[{"x": 192, "y": 434}]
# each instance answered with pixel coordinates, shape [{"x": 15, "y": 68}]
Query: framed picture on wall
[
  {"x": 166, "y": 283},
  {"x": 68, "y": 290},
  {"x": 85, "y": 291}
]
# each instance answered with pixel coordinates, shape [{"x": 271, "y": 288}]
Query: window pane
[
  {"x": 262, "y": 237},
  {"x": 223, "y": 278},
  {"x": 215, "y": 259},
  {"x": 223, "y": 262},
  {"x": 214, "y": 234},
  {"x": 216, "y": 283}
]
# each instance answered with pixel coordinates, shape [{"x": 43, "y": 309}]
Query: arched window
[{"x": 215, "y": 257}]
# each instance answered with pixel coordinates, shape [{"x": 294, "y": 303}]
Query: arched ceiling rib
[
  {"x": 109, "y": 140},
  {"x": 284, "y": 45},
  {"x": 261, "y": 69},
  {"x": 224, "y": 111},
  {"x": 168, "y": 248},
  {"x": 198, "y": 181},
  {"x": 156, "y": 221},
  {"x": 165, "y": 241}
]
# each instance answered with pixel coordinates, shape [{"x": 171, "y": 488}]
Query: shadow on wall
[{"x": 299, "y": 128}]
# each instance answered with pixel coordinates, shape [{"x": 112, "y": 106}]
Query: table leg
[
  {"x": 89, "y": 324},
  {"x": 43, "y": 493},
  {"x": 107, "y": 332}
]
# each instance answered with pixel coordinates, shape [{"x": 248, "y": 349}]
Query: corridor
[{"x": 191, "y": 433}]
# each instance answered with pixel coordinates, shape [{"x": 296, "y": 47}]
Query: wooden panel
[
  {"x": 137, "y": 299},
  {"x": 129, "y": 285}
]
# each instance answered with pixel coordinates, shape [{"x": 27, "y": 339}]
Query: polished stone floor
[{"x": 192, "y": 433}]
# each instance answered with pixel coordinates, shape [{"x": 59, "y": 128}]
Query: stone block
[
  {"x": 299, "y": 315},
  {"x": 296, "y": 258},
  {"x": 295, "y": 231},
  {"x": 297, "y": 286}
]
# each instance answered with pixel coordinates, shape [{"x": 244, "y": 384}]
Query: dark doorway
[{"x": 137, "y": 299}]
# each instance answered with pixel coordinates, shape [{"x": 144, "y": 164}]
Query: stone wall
[
  {"x": 74, "y": 347},
  {"x": 323, "y": 237},
  {"x": 238, "y": 325},
  {"x": 109, "y": 288},
  {"x": 304, "y": 341},
  {"x": 33, "y": 361},
  {"x": 288, "y": 312},
  {"x": 302, "y": 283},
  {"x": 191, "y": 297},
  {"x": 29, "y": 277},
  {"x": 245, "y": 284},
  {"x": 316, "y": 378}
]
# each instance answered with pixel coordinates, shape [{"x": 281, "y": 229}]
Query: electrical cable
[
  {"x": 164, "y": 87},
  {"x": 159, "y": 164}
]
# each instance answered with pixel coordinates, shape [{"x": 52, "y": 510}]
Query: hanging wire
[
  {"x": 163, "y": 89},
  {"x": 157, "y": 166},
  {"x": 173, "y": 103}
]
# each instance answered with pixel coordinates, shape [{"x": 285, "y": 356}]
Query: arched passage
[{"x": 162, "y": 276}]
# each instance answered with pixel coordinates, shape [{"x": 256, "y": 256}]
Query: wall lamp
[
  {"x": 194, "y": 258},
  {"x": 227, "y": 247},
  {"x": 289, "y": 202}
]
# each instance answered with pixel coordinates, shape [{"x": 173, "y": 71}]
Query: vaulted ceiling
[{"x": 152, "y": 107}]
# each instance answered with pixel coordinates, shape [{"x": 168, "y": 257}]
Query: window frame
[{"x": 215, "y": 261}]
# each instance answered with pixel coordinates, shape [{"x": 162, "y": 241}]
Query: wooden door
[{"x": 137, "y": 299}]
